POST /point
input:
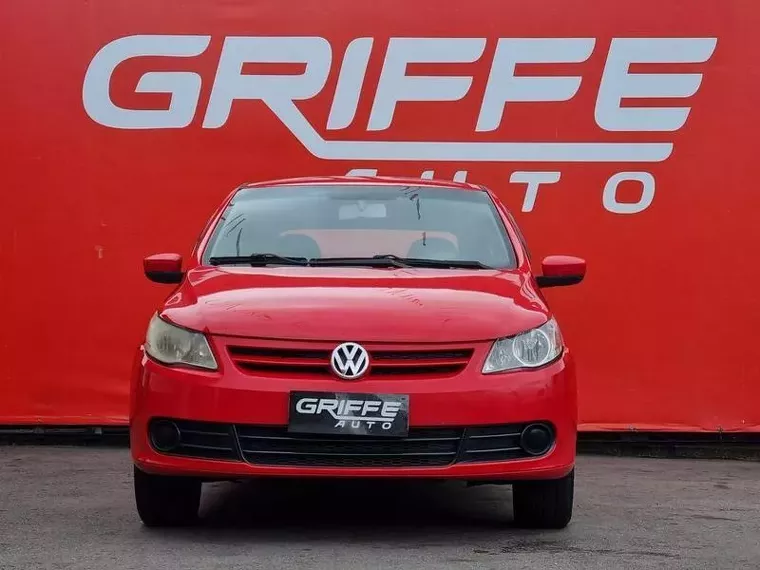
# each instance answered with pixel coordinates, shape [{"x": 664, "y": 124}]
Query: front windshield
[{"x": 363, "y": 221}]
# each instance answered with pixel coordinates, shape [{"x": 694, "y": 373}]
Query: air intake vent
[
  {"x": 424, "y": 447},
  {"x": 275, "y": 446}
]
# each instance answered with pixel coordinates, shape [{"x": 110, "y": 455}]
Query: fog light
[
  {"x": 536, "y": 439},
  {"x": 164, "y": 435}
]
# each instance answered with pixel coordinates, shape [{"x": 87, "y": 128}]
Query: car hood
[{"x": 358, "y": 304}]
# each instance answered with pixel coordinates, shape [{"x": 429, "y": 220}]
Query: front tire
[
  {"x": 544, "y": 504},
  {"x": 166, "y": 501}
]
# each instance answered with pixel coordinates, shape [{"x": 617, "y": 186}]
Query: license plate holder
[{"x": 341, "y": 413}]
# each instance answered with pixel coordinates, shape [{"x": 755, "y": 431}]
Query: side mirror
[
  {"x": 561, "y": 270},
  {"x": 163, "y": 268}
]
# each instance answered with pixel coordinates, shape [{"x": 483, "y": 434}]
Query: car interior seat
[
  {"x": 433, "y": 248},
  {"x": 297, "y": 245}
]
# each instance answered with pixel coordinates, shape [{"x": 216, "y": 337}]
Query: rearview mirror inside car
[
  {"x": 561, "y": 270},
  {"x": 362, "y": 210},
  {"x": 163, "y": 268}
]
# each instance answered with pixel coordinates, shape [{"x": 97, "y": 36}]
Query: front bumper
[{"x": 467, "y": 400}]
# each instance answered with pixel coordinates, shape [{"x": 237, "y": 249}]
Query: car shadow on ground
[
  {"x": 469, "y": 524},
  {"x": 408, "y": 514},
  {"x": 364, "y": 511},
  {"x": 354, "y": 504}
]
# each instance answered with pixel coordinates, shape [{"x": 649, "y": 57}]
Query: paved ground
[{"x": 72, "y": 508}]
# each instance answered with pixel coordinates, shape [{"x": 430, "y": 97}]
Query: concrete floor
[{"x": 72, "y": 508}]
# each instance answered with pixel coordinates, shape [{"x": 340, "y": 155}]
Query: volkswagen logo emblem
[{"x": 349, "y": 360}]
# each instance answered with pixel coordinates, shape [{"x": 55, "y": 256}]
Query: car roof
[{"x": 374, "y": 180}]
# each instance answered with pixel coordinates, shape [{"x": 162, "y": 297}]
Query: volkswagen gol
[{"x": 356, "y": 327}]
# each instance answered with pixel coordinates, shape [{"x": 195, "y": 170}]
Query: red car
[{"x": 356, "y": 327}]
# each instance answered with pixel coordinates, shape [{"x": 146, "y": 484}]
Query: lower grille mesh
[
  {"x": 493, "y": 443},
  {"x": 205, "y": 440},
  {"x": 275, "y": 446}
]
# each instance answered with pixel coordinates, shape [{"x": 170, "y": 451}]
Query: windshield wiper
[
  {"x": 421, "y": 262},
  {"x": 394, "y": 258},
  {"x": 389, "y": 260},
  {"x": 383, "y": 260},
  {"x": 376, "y": 261},
  {"x": 445, "y": 263},
  {"x": 259, "y": 259}
]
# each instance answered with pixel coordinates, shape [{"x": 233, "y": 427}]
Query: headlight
[
  {"x": 173, "y": 345},
  {"x": 527, "y": 350}
]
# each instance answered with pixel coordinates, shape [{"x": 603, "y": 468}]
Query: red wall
[{"x": 664, "y": 328}]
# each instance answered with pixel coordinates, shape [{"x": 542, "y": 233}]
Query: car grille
[
  {"x": 275, "y": 446},
  {"x": 316, "y": 362}
]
